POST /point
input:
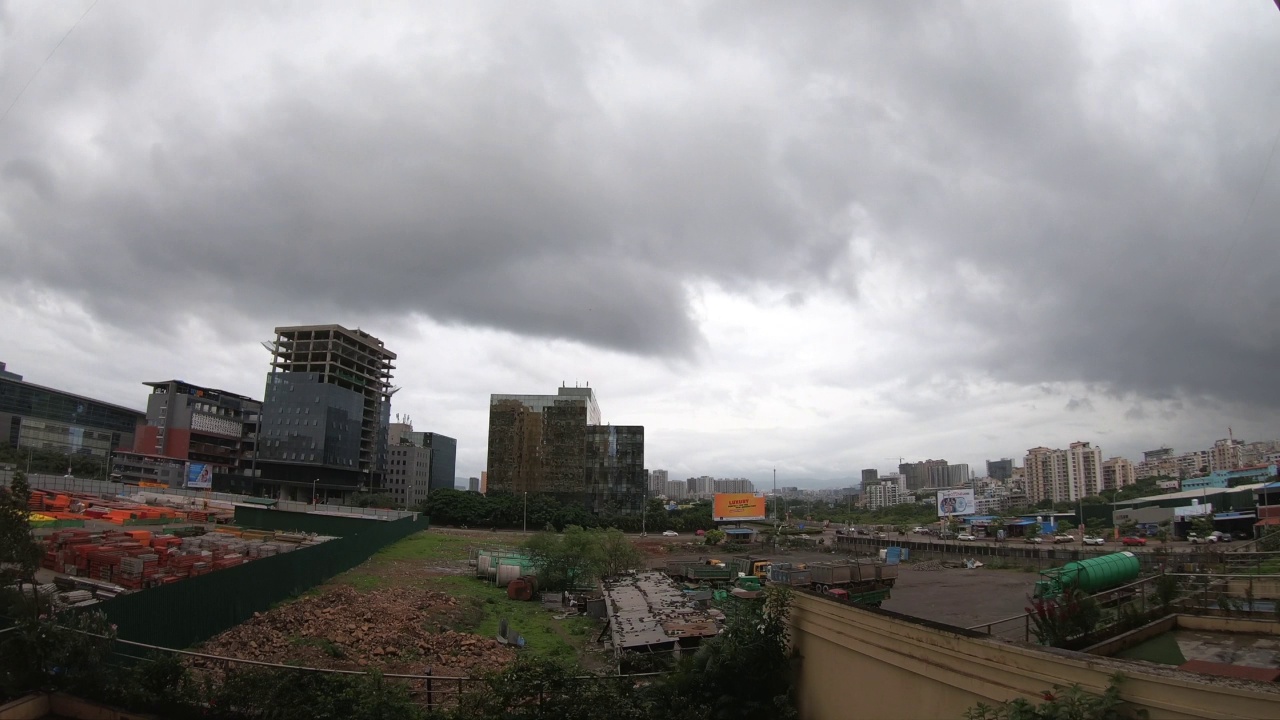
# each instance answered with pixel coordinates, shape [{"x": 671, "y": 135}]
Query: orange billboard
[{"x": 733, "y": 507}]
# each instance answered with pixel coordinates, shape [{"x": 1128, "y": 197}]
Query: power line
[{"x": 74, "y": 25}]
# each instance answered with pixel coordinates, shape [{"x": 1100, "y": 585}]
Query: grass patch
[
  {"x": 427, "y": 545},
  {"x": 544, "y": 635}
]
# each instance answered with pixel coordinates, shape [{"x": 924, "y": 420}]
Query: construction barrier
[{"x": 184, "y": 613}]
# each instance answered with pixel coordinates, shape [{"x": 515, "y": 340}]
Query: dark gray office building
[
  {"x": 1000, "y": 469},
  {"x": 325, "y": 413}
]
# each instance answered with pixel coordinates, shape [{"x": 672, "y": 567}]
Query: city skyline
[{"x": 811, "y": 254}]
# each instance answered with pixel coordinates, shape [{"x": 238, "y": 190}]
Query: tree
[
  {"x": 19, "y": 553},
  {"x": 744, "y": 672},
  {"x": 617, "y": 553},
  {"x": 1201, "y": 525},
  {"x": 715, "y": 537}
]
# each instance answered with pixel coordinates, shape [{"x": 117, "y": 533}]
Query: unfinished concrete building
[
  {"x": 325, "y": 412},
  {"x": 556, "y": 444}
]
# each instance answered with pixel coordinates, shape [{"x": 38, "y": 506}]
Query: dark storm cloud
[{"x": 568, "y": 172}]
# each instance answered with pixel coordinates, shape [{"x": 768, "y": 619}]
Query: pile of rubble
[
  {"x": 927, "y": 565},
  {"x": 397, "y": 630}
]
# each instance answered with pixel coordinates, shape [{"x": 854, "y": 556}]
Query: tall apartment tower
[
  {"x": 1063, "y": 475},
  {"x": 1117, "y": 473},
  {"x": 870, "y": 475},
  {"x": 326, "y": 412},
  {"x": 556, "y": 444}
]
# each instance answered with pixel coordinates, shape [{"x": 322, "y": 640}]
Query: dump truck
[
  {"x": 747, "y": 565},
  {"x": 699, "y": 571},
  {"x": 858, "y": 583},
  {"x": 1090, "y": 576},
  {"x": 790, "y": 575}
]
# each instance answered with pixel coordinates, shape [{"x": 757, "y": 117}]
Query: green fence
[{"x": 193, "y": 610}]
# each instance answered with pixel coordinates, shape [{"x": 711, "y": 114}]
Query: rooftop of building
[
  {"x": 1189, "y": 494},
  {"x": 19, "y": 381},
  {"x": 357, "y": 335},
  {"x": 648, "y": 609},
  {"x": 199, "y": 389}
]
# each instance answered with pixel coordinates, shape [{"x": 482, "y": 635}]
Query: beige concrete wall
[
  {"x": 31, "y": 707},
  {"x": 859, "y": 663}
]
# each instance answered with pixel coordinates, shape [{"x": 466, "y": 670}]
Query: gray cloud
[
  {"x": 1079, "y": 405},
  {"x": 569, "y": 172}
]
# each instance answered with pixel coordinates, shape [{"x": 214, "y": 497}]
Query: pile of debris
[
  {"x": 927, "y": 565},
  {"x": 398, "y": 630}
]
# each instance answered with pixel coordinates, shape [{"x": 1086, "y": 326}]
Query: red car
[{"x": 1131, "y": 540}]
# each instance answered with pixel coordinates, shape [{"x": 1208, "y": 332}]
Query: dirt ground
[{"x": 961, "y": 597}]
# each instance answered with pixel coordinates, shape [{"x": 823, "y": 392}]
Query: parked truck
[
  {"x": 747, "y": 565},
  {"x": 860, "y": 583},
  {"x": 700, "y": 571},
  {"x": 1090, "y": 576}
]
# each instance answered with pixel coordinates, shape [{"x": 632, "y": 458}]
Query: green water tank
[{"x": 1100, "y": 573}]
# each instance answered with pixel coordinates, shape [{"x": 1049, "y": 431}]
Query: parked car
[
  {"x": 1221, "y": 536},
  {"x": 670, "y": 533},
  {"x": 1195, "y": 539},
  {"x": 947, "y": 535},
  {"x": 1032, "y": 539},
  {"x": 1133, "y": 540},
  {"x": 1064, "y": 539},
  {"x": 1094, "y": 540},
  {"x": 920, "y": 530},
  {"x": 882, "y": 536},
  {"x": 966, "y": 537}
]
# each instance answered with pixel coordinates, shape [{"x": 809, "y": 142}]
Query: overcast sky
[{"x": 806, "y": 236}]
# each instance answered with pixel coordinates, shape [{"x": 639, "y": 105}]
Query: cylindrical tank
[
  {"x": 507, "y": 573},
  {"x": 483, "y": 562},
  {"x": 1098, "y": 574},
  {"x": 519, "y": 589}
]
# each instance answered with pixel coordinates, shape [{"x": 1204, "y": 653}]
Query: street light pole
[
  {"x": 314, "y": 499},
  {"x": 526, "y": 511}
]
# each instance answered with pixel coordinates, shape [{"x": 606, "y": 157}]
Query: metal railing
[
  {"x": 433, "y": 690},
  {"x": 1195, "y": 593}
]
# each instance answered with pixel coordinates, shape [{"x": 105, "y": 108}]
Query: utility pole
[{"x": 526, "y": 511}]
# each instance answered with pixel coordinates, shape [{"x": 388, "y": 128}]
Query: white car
[
  {"x": 919, "y": 530},
  {"x": 1063, "y": 539},
  {"x": 966, "y": 537},
  {"x": 1092, "y": 540},
  {"x": 670, "y": 533}
]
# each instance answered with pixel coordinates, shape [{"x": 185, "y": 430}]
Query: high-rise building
[
  {"x": 41, "y": 418},
  {"x": 418, "y": 463},
  {"x": 924, "y": 474},
  {"x": 193, "y": 425},
  {"x": 1063, "y": 475},
  {"x": 658, "y": 482},
  {"x": 1000, "y": 469},
  {"x": 958, "y": 475},
  {"x": 675, "y": 489},
  {"x": 870, "y": 475},
  {"x": 882, "y": 494},
  {"x": 732, "y": 485},
  {"x": 1117, "y": 473},
  {"x": 1226, "y": 454},
  {"x": 473, "y": 484},
  {"x": 326, "y": 412},
  {"x": 555, "y": 444}
]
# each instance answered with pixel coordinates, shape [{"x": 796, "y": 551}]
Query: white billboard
[{"x": 956, "y": 502}]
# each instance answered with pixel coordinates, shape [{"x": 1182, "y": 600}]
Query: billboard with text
[
  {"x": 734, "y": 507},
  {"x": 956, "y": 502},
  {"x": 199, "y": 476}
]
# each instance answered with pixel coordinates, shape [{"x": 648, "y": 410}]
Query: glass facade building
[{"x": 33, "y": 416}]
